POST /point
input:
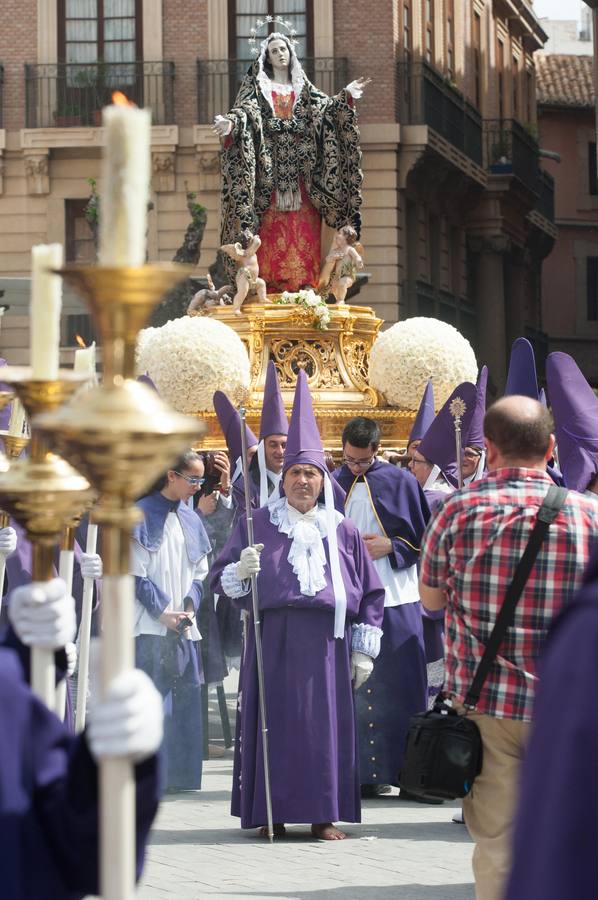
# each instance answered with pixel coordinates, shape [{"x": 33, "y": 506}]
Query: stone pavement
[{"x": 403, "y": 851}]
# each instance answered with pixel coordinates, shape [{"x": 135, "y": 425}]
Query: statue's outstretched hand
[
  {"x": 222, "y": 126},
  {"x": 357, "y": 87}
]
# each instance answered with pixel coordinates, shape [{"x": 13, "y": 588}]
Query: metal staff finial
[
  {"x": 457, "y": 410},
  {"x": 261, "y": 687}
]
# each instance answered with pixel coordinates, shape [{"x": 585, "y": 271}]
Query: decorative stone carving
[
  {"x": 163, "y": 171},
  {"x": 37, "y": 172}
]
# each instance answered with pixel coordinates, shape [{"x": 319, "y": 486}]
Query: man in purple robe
[
  {"x": 390, "y": 511},
  {"x": 554, "y": 848},
  {"x": 321, "y": 606},
  {"x": 49, "y": 841}
]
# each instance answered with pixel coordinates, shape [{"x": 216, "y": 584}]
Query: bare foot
[
  {"x": 279, "y": 830},
  {"x": 326, "y": 831},
  {"x": 237, "y": 312}
]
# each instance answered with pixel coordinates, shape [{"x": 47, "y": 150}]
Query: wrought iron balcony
[
  {"x": 511, "y": 150},
  {"x": 545, "y": 189},
  {"x": 67, "y": 95},
  {"x": 425, "y": 300},
  {"x": 426, "y": 98},
  {"x": 218, "y": 81},
  {"x": 1, "y": 95}
]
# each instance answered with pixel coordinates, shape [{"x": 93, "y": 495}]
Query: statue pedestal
[{"x": 336, "y": 361}]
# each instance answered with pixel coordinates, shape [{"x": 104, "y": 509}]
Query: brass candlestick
[
  {"x": 122, "y": 436},
  {"x": 14, "y": 444},
  {"x": 42, "y": 492}
]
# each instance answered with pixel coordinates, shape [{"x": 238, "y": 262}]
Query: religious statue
[
  {"x": 290, "y": 158},
  {"x": 244, "y": 254},
  {"x": 340, "y": 269},
  {"x": 208, "y": 297}
]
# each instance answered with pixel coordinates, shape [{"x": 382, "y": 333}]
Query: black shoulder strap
[{"x": 553, "y": 503}]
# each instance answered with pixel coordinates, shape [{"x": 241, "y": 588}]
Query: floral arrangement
[
  {"x": 405, "y": 356},
  {"x": 310, "y": 301},
  {"x": 191, "y": 357}
]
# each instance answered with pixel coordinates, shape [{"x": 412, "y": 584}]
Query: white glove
[
  {"x": 361, "y": 668},
  {"x": 8, "y": 541},
  {"x": 91, "y": 565},
  {"x": 249, "y": 563},
  {"x": 70, "y": 650},
  {"x": 129, "y": 720},
  {"x": 222, "y": 125},
  {"x": 43, "y": 614}
]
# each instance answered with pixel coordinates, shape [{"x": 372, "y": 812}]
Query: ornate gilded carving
[
  {"x": 356, "y": 352},
  {"x": 316, "y": 357}
]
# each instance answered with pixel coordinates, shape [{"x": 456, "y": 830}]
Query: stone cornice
[{"x": 163, "y": 136}]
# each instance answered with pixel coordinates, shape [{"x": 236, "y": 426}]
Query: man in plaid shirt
[{"x": 469, "y": 554}]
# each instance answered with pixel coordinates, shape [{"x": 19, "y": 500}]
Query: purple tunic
[
  {"x": 554, "y": 854},
  {"x": 309, "y": 698},
  {"x": 48, "y": 799}
]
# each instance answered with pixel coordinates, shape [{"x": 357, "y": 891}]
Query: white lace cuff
[
  {"x": 232, "y": 586},
  {"x": 366, "y": 639}
]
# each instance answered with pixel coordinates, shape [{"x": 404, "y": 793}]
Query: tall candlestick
[
  {"x": 46, "y": 304},
  {"x": 16, "y": 424},
  {"x": 125, "y": 185},
  {"x": 85, "y": 361}
]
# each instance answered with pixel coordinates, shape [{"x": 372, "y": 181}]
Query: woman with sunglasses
[{"x": 170, "y": 561}]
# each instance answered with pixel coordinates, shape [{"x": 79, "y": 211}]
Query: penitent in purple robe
[
  {"x": 554, "y": 851},
  {"x": 397, "y": 688},
  {"x": 49, "y": 799},
  {"x": 309, "y": 698}
]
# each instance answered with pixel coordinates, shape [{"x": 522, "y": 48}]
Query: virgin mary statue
[{"x": 290, "y": 158}]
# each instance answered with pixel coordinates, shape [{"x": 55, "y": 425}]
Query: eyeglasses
[
  {"x": 419, "y": 462},
  {"x": 193, "y": 480},
  {"x": 358, "y": 463},
  {"x": 472, "y": 454}
]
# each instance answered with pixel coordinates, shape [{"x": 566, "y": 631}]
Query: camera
[
  {"x": 211, "y": 474},
  {"x": 184, "y": 623}
]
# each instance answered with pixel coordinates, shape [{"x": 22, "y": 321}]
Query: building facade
[
  {"x": 570, "y": 276},
  {"x": 457, "y": 212}
]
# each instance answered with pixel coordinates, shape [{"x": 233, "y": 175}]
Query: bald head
[{"x": 518, "y": 432}]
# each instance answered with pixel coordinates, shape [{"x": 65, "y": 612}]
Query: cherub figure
[
  {"x": 340, "y": 268},
  {"x": 208, "y": 297},
  {"x": 244, "y": 253}
]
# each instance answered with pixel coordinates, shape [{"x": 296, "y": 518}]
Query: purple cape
[
  {"x": 555, "y": 834},
  {"x": 48, "y": 799},
  {"x": 150, "y": 532},
  {"x": 401, "y": 506}
]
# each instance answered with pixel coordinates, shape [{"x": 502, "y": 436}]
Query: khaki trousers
[{"x": 489, "y": 808}]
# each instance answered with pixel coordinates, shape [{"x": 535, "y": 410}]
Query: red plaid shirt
[{"x": 471, "y": 548}]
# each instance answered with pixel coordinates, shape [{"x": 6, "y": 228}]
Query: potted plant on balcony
[
  {"x": 93, "y": 90},
  {"x": 500, "y": 154},
  {"x": 68, "y": 116}
]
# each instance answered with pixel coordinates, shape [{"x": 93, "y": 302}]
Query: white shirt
[
  {"x": 400, "y": 585},
  {"x": 169, "y": 568}
]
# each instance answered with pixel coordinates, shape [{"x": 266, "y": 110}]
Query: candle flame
[
  {"x": 80, "y": 341},
  {"x": 120, "y": 99}
]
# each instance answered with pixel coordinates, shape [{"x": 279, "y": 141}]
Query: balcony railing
[
  {"x": 511, "y": 150},
  {"x": 218, "y": 81},
  {"x": 545, "y": 203},
  {"x": 66, "y": 95},
  {"x": 426, "y": 98},
  {"x": 1, "y": 96}
]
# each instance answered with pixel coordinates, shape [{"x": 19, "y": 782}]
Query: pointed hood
[
  {"x": 522, "y": 378},
  {"x": 230, "y": 423},
  {"x": 542, "y": 398},
  {"x": 575, "y": 410},
  {"x": 304, "y": 445},
  {"x": 425, "y": 414},
  {"x": 438, "y": 444},
  {"x": 145, "y": 379},
  {"x": 475, "y": 437},
  {"x": 274, "y": 419}
]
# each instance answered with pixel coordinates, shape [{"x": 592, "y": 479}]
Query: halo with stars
[{"x": 268, "y": 20}]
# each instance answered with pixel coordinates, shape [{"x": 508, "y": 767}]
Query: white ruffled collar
[{"x": 306, "y": 531}]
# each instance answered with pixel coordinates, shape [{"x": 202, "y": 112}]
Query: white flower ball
[
  {"x": 405, "y": 356},
  {"x": 190, "y": 358}
]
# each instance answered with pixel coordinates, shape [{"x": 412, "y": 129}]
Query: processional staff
[{"x": 257, "y": 631}]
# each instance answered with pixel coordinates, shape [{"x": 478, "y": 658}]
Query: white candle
[
  {"x": 125, "y": 186},
  {"x": 16, "y": 424},
  {"x": 46, "y": 304},
  {"x": 85, "y": 361}
]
